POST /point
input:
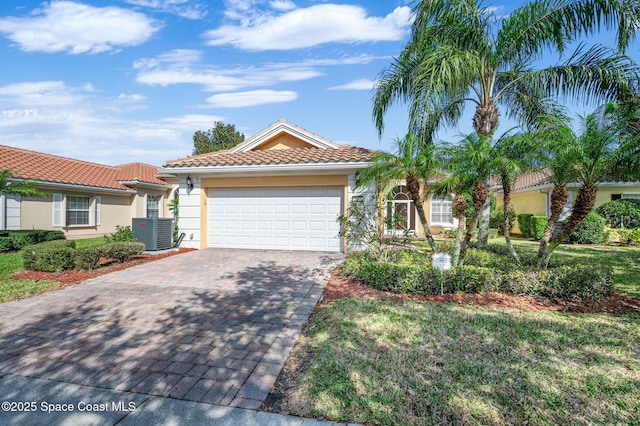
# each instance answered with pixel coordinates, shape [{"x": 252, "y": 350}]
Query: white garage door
[{"x": 275, "y": 218}]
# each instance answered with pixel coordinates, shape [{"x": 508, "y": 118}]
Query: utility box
[{"x": 156, "y": 233}]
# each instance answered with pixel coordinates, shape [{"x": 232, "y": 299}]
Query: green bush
[
  {"x": 497, "y": 219},
  {"x": 25, "y": 238},
  {"x": 590, "y": 230},
  {"x": 623, "y": 213},
  {"x": 50, "y": 256},
  {"x": 54, "y": 235},
  {"x": 6, "y": 244},
  {"x": 524, "y": 223},
  {"x": 537, "y": 225},
  {"x": 623, "y": 237},
  {"x": 484, "y": 272},
  {"x": 123, "y": 251},
  {"x": 88, "y": 258},
  {"x": 122, "y": 234}
]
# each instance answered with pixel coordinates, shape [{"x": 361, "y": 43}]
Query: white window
[
  {"x": 78, "y": 210},
  {"x": 631, "y": 195},
  {"x": 441, "y": 210},
  {"x": 153, "y": 205}
]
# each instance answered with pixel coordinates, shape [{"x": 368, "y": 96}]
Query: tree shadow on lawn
[
  {"x": 426, "y": 363},
  {"x": 200, "y": 344}
]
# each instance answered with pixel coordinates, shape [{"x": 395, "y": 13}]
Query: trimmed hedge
[
  {"x": 499, "y": 274},
  {"x": 623, "y": 213},
  {"x": 524, "y": 223},
  {"x": 6, "y": 244},
  {"x": 620, "y": 236},
  {"x": 23, "y": 238},
  {"x": 50, "y": 256},
  {"x": 88, "y": 258},
  {"x": 537, "y": 225},
  {"x": 590, "y": 230},
  {"x": 123, "y": 251}
]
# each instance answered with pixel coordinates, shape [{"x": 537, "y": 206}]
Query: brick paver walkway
[{"x": 211, "y": 326}]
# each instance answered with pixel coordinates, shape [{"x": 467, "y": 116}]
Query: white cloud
[
  {"x": 184, "y": 8},
  {"x": 361, "y": 84},
  {"x": 66, "y": 26},
  {"x": 42, "y": 93},
  {"x": 307, "y": 27},
  {"x": 183, "y": 66},
  {"x": 283, "y": 5},
  {"x": 135, "y": 97},
  {"x": 251, "y": 98}
]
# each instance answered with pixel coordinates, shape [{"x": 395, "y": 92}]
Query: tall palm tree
[
  {"x": 593, "y": 154},
  {"x": 461, "y": 52},
  {"x": 415, "y": 163},
  {"x": 9, "y": 185}
]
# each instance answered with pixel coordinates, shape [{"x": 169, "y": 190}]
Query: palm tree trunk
[
  {"x": 483, "y": 224},
  {"x": 585, "y": 201},
  {"x": 413, "y": 185},
  {"x": 507, "y": 222},
  {"x": 559, "y": 197},
  {"x": 486, "y": 117},
  {"x": 479, "y": 196},
  {"x": 459, "y": 205}
]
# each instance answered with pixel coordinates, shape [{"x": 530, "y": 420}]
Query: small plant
[
  {"x": 537, "y": 225},
  {"x": 174, "y": 209},
  {"x": 88, "y": 258},
  {"x": 497, "y": 219},
  {"x": 122, "y": 234}
]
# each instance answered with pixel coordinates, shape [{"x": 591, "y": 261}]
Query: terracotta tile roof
[
  {"x": 55, "y": 169},
  {"x": 282, "y": 156},
  {"x": 525, "y": 181}
]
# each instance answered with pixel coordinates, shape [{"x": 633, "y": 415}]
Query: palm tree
[
  {"x": 9, "y": 185},
  {"x": 457, "y": 185},
  {"x": 415, "y": 163},
  {"x": 593, "y": 155},
  {"x": 513, "y": 156},
  {"x": 472, "y": 161},
  {"x": 461, "y": 52}
]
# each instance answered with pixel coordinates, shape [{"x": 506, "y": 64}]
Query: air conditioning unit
[{"x": 156, "y": 233}]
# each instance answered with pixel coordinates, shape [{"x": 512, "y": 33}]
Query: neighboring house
[
  {"x": 283, "y": 188},
  {"x": 532, "y": 194},
  {"x": 85, "y": 199}
]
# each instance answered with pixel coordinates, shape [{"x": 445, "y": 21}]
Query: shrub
[
  {"x": 50, "y": 256},
  {"x": 88, "y": 258},
  {"x": 54, "y": 235},
  {"x": 122, "y": 234},
  {"x": 6, "y": 244},
  {"x": 123, "y": 251},
  {"x": 484, "y": 272},
  {"x": 590, "y": 230},
  {"x": 537, "y": 225},
  {"x": 623, "y": 213},
  {"x": 497, "y": 219},
  {"x": 25, "y": 238},
  {"x": 524, "y": 224}
]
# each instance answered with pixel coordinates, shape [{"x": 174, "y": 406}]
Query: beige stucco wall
[
  {"x": 282, "y": 141},
  {"x": 264, "y": 182},
  {"x": 37, "y": 213},
  {"x": 139, "y": 203}
]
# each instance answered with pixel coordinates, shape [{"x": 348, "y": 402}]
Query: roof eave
[
  {"x": 303, "y": 167},
  {"x": 86, "y": 188}
]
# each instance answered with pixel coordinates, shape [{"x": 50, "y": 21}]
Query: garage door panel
[{"x": 275, "y": 218}]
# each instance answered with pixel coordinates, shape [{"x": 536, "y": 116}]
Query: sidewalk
[{"x": 87, "y": 405}]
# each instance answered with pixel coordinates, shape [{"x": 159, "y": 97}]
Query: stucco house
[
  {"x": 532, "y": 194},
  {"x": 85, "y": 199},
  {"x": 283, "y": 188}
]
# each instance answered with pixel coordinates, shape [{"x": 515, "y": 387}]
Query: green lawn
[
  {"x": 11, "y": 263},
  {"x": 624, "y": 260},
  {"x": 399, "y": 363}
]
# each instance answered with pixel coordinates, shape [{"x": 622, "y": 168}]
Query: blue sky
[{"x": 132, "y": 80}]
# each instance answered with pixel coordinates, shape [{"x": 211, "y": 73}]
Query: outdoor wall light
[{"x": 189, "y": 184}]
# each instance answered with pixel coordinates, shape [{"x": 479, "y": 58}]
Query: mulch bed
[
  {"x": 340, "y": 287},
  {"x": 74, "y": 276}
]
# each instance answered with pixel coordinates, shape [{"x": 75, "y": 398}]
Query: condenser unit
[{"x": 156, "y": 233}]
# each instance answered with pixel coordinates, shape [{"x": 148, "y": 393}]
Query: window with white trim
[
  {"x": 78, "y": 210},
  {"x": 441, "y": 210},
  {"x": 631, "y": 195},
  {"x": 153, "y": 205}
]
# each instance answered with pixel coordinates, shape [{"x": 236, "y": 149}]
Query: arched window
[
  {"x": 441, "y": 210},
  {"x": 400, "y": 214}
]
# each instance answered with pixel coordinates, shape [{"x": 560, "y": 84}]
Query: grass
[
  {"x": 11, "y": 263},
  {"x": 625, "y": 261},
  {"x": 398, "y": 363}
]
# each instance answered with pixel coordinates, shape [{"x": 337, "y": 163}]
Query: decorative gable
[{"x": 283, "y": 135}]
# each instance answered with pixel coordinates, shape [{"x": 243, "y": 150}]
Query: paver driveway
[{"x": 211, "y": 325}]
